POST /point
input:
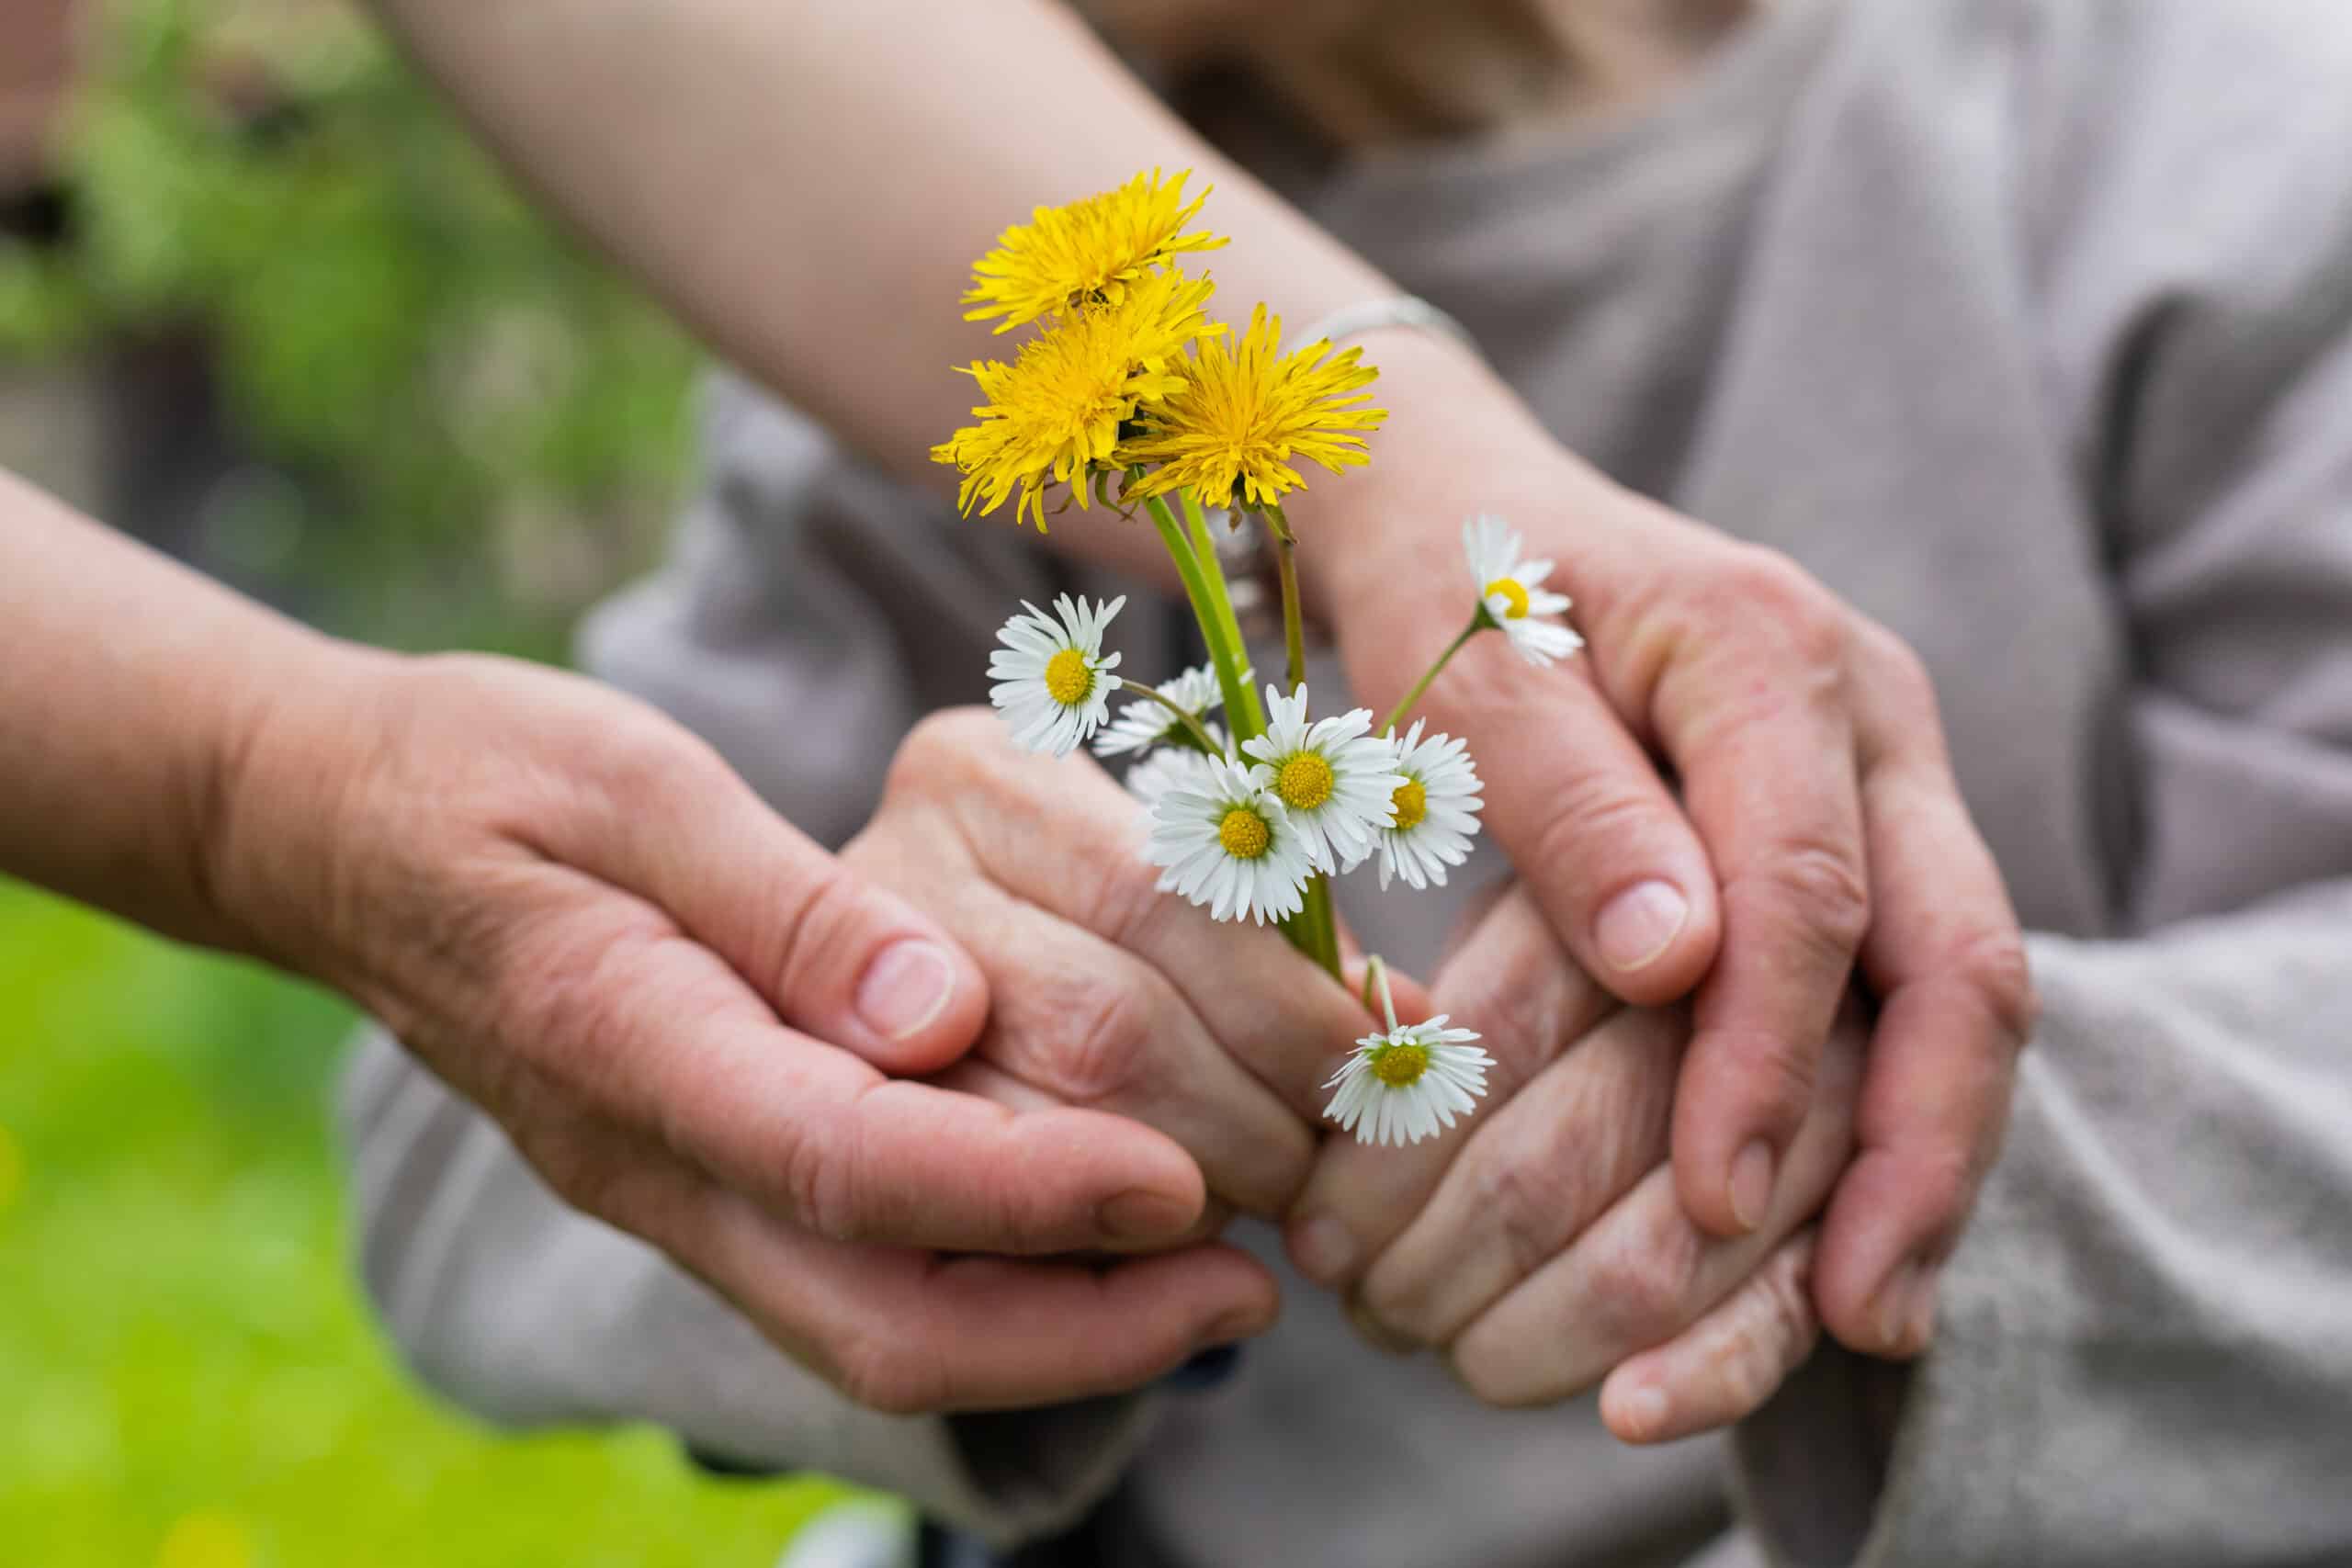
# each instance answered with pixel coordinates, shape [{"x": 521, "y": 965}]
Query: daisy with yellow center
[
  {"x": 1511, "y": 593},
  {"x": 1053, "y": 680},
  {"x": 1053, "y": 415},
  {"x": 1090, "y": 251},
  {"x": 1337, "y": 780},
  {"x": 1410, "y": 1081},
  {"x": 1437, "y": 810},
  {"x": 1223, "y": 840},
  {"x": 1245, "y": 411}
]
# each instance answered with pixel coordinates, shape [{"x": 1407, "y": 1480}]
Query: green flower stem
[
  {"x": 1294, "y": 624},
  {"x": 1225, "y": 657},
  {"x": 1318, "y": 936},
  {"x": 1201, "y": 737},
  {"x": 1375, "y": 977},
  {"x": 1252, "y": 722},
  {"x": 1405, "y": 705}
]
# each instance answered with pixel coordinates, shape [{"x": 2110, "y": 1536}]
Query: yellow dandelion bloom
[
  {"x": 1245, "y": 412},
  {"x": 1053, "y": 415},
  {"x": 1090, "y": 252}
]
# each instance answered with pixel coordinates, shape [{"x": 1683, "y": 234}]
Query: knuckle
[
  {"x": 893, "y": 1376},
  {"x": 1824, "y": 890},
  {"x": 1764, "y": 583},
  {"x": 820, "y": 1171},
  {"x": 1778, "y": 1075},
  {"x": 1646, "y": 1287},
  {"x": 1532, "y": 1204},
  {"x": 1994, "y": 964},
  {"x": 1899, "y": 665},
  {"x": 1100, "y": 1052},
  {"x": 944, "y": 750},
  {"x": 815, "y": 917},
  {"x": 1590, "y": 809},
  {"x": 1121, "y": 899}
]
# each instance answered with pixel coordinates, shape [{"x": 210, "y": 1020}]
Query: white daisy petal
[
  {"x": 1222, "y": 839},
  {"x": 1511, "y": 592},
  {"x": 1144, "y": 724},
  {"x": 1408, "y": 1083},
  {"x": 1172, "y": 767},
  {"x": 1336, "y": 779},
  {"x": 1437, "y": 810},
  {"x": 1053, "y": 681}
]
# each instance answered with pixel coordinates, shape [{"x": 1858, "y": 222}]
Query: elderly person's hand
[
  {"x": 703, "y": 1029},
  {"x": 1818, "y": 825},
  {"x": 1108, "y": 993},
  {"x": 1544, "y": 1246}
]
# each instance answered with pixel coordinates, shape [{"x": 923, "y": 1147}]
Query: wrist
[
  {"x": 281, "y": 769},
  {"x": 1449, "y": 417}
]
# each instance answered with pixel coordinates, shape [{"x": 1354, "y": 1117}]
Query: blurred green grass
[{"x": 192, "y": 1377}]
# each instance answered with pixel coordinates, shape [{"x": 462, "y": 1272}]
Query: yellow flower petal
[
  {"x": 1090, "y": 252},
  {"x": 1245, "y": 411}
]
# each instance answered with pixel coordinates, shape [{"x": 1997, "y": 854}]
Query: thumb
[{"x": 837, "y": 957}]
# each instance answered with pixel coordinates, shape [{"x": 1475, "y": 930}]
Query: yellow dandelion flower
[
  {"x": 1053, "y": 415},
  {"x": 1245, "y": 412},
  {"x": 1090, "y": 252}
]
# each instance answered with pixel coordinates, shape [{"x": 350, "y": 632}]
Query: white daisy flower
[
  {"x": 1144, "y": 724},
  {"x": 1408, "y": 1083},
  {"x": 1511, "y": 592},
  {"x": 1437, "y": 810},
  {"x": 1053, "y": 681},
  {"x": 1172, "y": 767},
  {"x": 1336, "y": 779},
  {"x": 1226, "y": 842}
]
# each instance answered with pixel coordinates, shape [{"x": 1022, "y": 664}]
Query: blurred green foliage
[
  {"x": 493, "y": 424},
  {"x": 193, "y": 1380}
]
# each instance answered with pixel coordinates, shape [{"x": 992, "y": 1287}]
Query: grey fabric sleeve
[
  {"x": 812, "y": 614},
  {"x": 2144, "y": 1354}
]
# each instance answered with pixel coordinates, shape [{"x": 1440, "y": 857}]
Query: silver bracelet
[{"x": 1389, "y": 311}]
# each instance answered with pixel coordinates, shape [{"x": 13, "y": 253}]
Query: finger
[
  {"x": 1514, "y": 985},
  {"x": 1059, "y": 834},
  {"x": 1533, "y": 1174},
  {"x": 974, "y": 1076},
  {"x": 1945, "y": 955},
  {"x": 1582, "y": 810},
  {"x": 652, "y": 1032},
  {"x": 1644, "y": 1272},
  {"x": 853, "y": 966},
  {"x": 1765, "y": 743},
  {"x": 910, "y": 1333},
  {"x": 1086, "y": 1024},
  {"x": 1723, "y": 1367}
]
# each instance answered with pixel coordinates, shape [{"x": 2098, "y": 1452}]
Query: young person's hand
[
  {"x": 1542, "y": 1248},
  {"x": 1818, "y": 825}
]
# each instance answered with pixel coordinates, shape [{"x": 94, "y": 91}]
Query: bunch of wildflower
[{"x": 1128, "y": 394}]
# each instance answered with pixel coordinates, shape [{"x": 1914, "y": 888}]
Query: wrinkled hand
[
  {"x": 698, "y": 1026},
  {"x": 1818, "y": 825},
  {"x": 1547, "y": 1246},
  {"x": 1109, "y": 994}
]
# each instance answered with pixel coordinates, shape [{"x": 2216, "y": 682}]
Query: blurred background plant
[
  {"x": 261, "y": 303},
  {"x": 338, "y": 359}
]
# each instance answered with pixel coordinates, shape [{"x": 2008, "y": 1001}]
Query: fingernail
[
  {"x": 1638, "y": 925},
  {"x": 1906, "y": 1306},
  {"x": 1242, "y": 1322},
  {"x": 905, "y": 988},
  {"x": 1141, "y": 1214},
  {"x": 1323, "y": 1249},
  {"x": 1751, "y": 1184},
  {"x": 1644, "y": 1411},
  {"x": 1923, "y": 1310}
]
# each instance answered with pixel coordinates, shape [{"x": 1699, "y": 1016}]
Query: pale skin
[
  {"x": 699, "y": 1027},
  {"x": 780, "y": 184}
]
